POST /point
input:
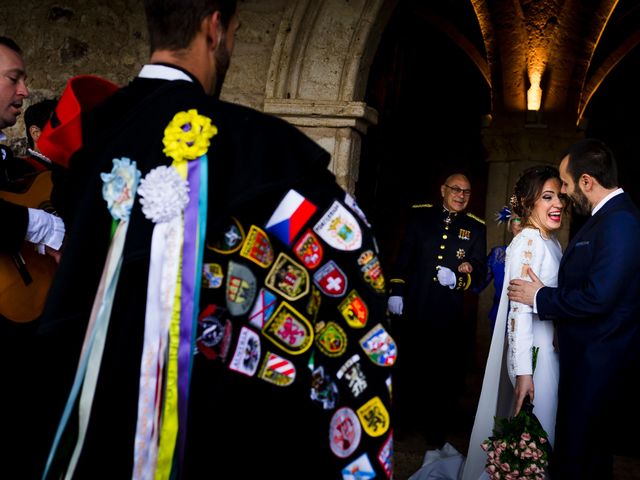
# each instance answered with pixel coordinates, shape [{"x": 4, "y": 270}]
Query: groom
[{"x": 596, "y": 307}]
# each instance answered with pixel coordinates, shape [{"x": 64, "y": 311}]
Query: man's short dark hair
[
  {"x": 7, "y": 42},
  {"x": 173, "y": 24},
  {"x": 38, "y": 114},
  {"x": 593, "y": 157}
]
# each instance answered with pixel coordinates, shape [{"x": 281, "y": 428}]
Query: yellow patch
[
  {"x": 374, "y": 417},
  {"x": 422, "y": 205},
  {"x": 354, "y": 310}
]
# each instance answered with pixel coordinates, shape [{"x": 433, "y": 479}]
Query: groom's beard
[
  {"x": 222, "y": 59},
  {"x": 580, "y": 202}
]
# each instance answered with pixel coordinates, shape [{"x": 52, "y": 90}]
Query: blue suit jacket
[
  {"x": 596, "y": 307},
  {"x": 597, "y": 302}
]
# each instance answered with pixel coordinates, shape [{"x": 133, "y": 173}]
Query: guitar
[{"x": 21, "y": 300}]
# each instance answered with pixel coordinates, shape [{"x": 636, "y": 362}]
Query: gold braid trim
[
  {"x": 475, "y": 218},
  {"x": 422, "y": 205}
]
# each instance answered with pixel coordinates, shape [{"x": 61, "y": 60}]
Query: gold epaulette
[
  {"x": 422, "y": 205},
  {"x": 475, "y": 218}
]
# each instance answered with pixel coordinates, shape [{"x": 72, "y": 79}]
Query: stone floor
[{"x": 409, "y": 452}]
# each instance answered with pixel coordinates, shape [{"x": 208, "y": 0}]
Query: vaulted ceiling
[{"x": 548, "y": 55}]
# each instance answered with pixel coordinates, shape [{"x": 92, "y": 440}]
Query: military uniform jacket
[
  {"x": 436, "y": 237},
  {"x": 291, "y": 353}
]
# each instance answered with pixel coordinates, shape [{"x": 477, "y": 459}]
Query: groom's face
[{"x": 572, "y": 190}]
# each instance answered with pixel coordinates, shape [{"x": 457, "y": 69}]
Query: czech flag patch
[{"x": 290, "y": 217}]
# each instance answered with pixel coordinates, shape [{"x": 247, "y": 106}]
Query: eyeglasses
[{"x": 457, "y": 190}]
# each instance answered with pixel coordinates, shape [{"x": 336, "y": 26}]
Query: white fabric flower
[
  {"x": 163, "y": 194},
  {"x": 119, "y": 187}
]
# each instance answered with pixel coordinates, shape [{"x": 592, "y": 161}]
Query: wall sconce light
[
  {"x": 534, "y": 97},
  {"x": 534, "y": 101}
]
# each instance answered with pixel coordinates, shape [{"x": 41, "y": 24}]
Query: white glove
[
  {"x": 446, "y": 277},
  {"x": 395, "y": 304}
]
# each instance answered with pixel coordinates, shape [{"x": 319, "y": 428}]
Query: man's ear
[
  {"x": 212, "y": 27},
  {"x": 587, "y": 182},
  {"x": 35, "y": 132},
  {"x": 442, "y": 190}
]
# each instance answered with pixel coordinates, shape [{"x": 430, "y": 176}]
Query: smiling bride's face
[{"x": 547, "y": 210}]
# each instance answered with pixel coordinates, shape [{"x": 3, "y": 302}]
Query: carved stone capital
[
  {"x": 323, "y": 113},
  {"x": 526, "y": 144}
]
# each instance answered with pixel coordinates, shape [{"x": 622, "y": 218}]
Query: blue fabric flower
[
  {"x": 503, "y": 215},
  {"x": 119, "y": 189}
]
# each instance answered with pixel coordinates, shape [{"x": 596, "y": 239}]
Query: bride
[{"x": 509, "y": 375}]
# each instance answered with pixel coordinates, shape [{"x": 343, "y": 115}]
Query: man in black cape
[{"x": 290, "y": 369}]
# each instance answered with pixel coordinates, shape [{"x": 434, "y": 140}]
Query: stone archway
[{"x": 318, "y": 73}]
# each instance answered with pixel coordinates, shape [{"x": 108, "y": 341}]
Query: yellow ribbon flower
[{"x": 188, "y": 136}]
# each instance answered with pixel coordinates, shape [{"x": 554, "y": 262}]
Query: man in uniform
[{"x": 442, "y": 255}]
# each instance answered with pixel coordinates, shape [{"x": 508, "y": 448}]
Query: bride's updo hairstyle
[{"x": 529, "y": 188}]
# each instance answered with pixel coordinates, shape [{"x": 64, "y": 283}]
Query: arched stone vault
[
  {"x": 308, "y": 61},
  {"x": 536, "y": 55},
  {"x": 318, "y": 72}
]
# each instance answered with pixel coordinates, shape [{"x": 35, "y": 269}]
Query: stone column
[{"x": 510, "y": 150}]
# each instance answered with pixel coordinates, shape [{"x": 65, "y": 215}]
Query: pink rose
[
  {"x": 505, "y": 467},
  {"x": 525, "y": 436},
  {"x": 543, "y": 440}
]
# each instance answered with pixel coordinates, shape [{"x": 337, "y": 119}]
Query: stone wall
[
  {"x": 61, "y": 39},
  {"x": 306, "y": 61}
]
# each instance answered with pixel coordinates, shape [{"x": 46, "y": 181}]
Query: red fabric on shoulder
[{"x": 62, "y": 135}]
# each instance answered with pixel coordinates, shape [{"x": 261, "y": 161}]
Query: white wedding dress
[{"x": 524, "y": 330}]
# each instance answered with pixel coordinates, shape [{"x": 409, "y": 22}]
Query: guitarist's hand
[{"x": 56, "y": 254}]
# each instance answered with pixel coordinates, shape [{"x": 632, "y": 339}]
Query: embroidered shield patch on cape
[
  {"x": 289, "y": 330},
  {"x": 231, "y": 239},
  {"x": 374, "y": 417},
  {"x": 345, "y": 432},
  {"x": 371, "y": 270},
  {"x": 277, "y": 370},
  {"x": 257, "y": 247},
  {"x": 263, "y": 308},
  {"x": 212, "y": 275},
  {"x": 379, "y": 346},
  {"x": 331, "y": 280},
  {"x": 359, "y": 469},
  {"x": 288, "y": 278},
  {"x": 339, "y": 228},
  {"x": 241, "y": 288},
  {"x": 245, "y": 358},
  {"x": 351, "y": 373},
  {"x": 309, "y": 250},
  {"x": 331, "y": 339},
  {"x": 323, "y": 389},
  {"x": 354, "y": 310}
]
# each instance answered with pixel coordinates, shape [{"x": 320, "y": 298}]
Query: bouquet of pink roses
[{"x": 519, "y": 448}]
